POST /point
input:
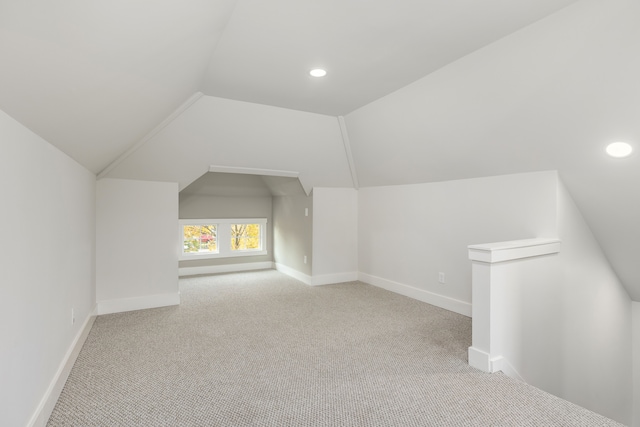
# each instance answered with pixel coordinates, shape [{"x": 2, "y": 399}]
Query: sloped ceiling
[
  {"x": 243, "y": 185},
  {"x": 369, "y": 48},
  {"x": 228, "y": 185},
  {"x": 224, "y": 132},
  {"x": 429, "y": 90},
  {"x": 93, "y": 77},
  {"x": 549, "y": 97}
]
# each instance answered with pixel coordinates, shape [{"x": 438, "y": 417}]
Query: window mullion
[{"x": 224, "y": 238}]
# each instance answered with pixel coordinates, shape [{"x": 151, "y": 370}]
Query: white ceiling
[
  {"x": 430, "y": 90},
  {"x": 369, "y": 48},
  {"x": 235, "y": 134},
  {"x": 93, "y": 77}
]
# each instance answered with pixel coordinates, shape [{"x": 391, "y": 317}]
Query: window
[
  {"x": 219, "y": 238},
  {"x": 245, "y": 237},
  {"x": 200, "y": 239}
]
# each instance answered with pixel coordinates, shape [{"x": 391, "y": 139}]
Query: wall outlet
[
  {"x": 305, "y": 259},
  {"x": 441, "y": 278},
  {"x": 73, "y": 316},
  {"x": 306, "y": 211}
]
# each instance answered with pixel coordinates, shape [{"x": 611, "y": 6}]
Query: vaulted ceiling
[
  {"x": 426, "y": 91},
  {"x": 93, "y": 78}
]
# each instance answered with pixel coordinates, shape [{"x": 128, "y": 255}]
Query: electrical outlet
[
  {"x": 73, "y": 316},
  {"x": 305, "y": 259},
  {"x": 441, "y": 278},
  {"x": 306, "y": 211}
]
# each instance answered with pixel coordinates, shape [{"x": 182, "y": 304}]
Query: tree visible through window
[
  {"x": 222, "y": 238},
  {"x": 200, "y": 238},
  {"x": 245, "y": 237}
]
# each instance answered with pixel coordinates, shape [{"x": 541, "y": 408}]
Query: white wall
[
  {"x": 636, "y": 363},
  {"x": 533, "y": 307},
  {"x": 410, "y": 233},
  {"x": 136, "y": 245},
  {"x": 594, "y": 324},
  {"x": 335, "y": 235},
  {"x": 293, "y": 235},
  {"x": 566, "y": 320},
  {"x": 47, "y": 226}
]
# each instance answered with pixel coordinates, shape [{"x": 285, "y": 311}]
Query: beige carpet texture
[{"x": 262, "y": 349}]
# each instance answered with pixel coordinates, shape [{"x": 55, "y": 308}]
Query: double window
[{"x": 219, "y": 238}]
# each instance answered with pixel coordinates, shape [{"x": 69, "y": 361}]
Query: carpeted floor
[{"x": 262, "y": 349}]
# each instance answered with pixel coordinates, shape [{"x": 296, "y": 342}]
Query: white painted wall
[
  {"x": 47, "y": 226},
  {"x": 335, "y": 235},
  {"x": 566, "y": 320},
  {"x": 594, "y": 324},
  {"x": 636, "y": 362},
  {"x": 532, "y": 310},
  {"x": 136, "y": 245},
  {"x": 293, "y": 235},
  {"x": 410, "y": 233},
  {"x": 498, "y": 271}
]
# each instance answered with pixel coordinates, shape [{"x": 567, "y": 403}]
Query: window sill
[{"x": 235, "y": 254}]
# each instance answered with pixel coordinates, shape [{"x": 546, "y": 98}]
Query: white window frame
[{"x": 224, "y": 238}]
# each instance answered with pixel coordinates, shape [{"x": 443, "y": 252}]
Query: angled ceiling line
[
  {"x": 262, "y": 172},
  {"x": 253, "y": 171},
  {"x": 205, "y": 70},
  {"x": 135, "y": 147},
  {"x": 347, "y": 149}
]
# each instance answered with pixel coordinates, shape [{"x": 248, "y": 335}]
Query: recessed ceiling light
[
  {"x": 318, "y": 72},
  {"x": 619, "y": 149}
]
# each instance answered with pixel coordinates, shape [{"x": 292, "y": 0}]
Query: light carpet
[{"x": 262, "y": 349}]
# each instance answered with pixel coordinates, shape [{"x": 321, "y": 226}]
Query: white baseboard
[
  {"x": 480, "y": 360},
  {"x": 138, "y": 303},
  {"x": 304, "y": 278},
  {"x": 328, "y": 279},
  {"x": 48, "y": 402},
  {"x": 228, "y": 268},
  {"x": 438, "y": 300},
  {"x": 484, "y": 362}
]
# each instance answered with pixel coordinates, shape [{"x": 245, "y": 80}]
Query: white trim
[
  {"x": 329, "y": 279},
  {"x": 48, "y": 401},
  {"x": 135, "y": 147},
  {"x": 304, "y": 278},
  {"x": 481, "y": 360},
  {"x": 207, "y": 221},
  {"x": 516, "y": 249},
  {"x": 227, "y": 268},
  {"x": 457, "y": 306},
  {"x": 214, "y": 255},
  {"x": 347, "y": 149},
  {"x": 253, "y": 171},
  {"x": 138, "y": 303}
]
